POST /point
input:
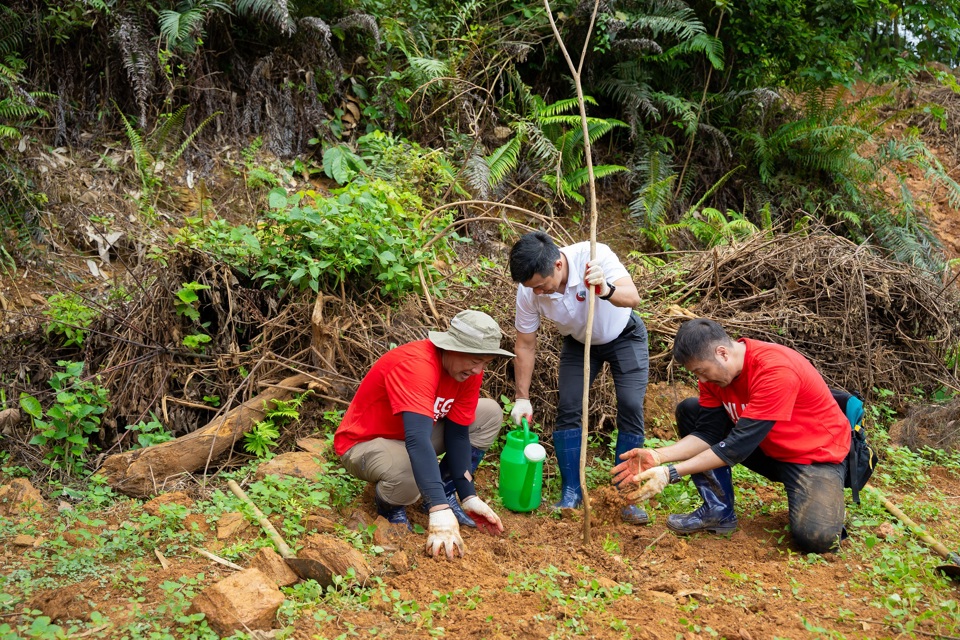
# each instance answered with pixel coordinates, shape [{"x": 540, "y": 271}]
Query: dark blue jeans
[
  {"x": 814, "y": 491},
  {"x": 630, "y": 364}
]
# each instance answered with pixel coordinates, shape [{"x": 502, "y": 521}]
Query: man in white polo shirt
[{"x": 553, "y": 283}]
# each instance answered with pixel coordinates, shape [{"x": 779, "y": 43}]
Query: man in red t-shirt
[
  {"x": 761, "y": 404},
  {"x": 417, "y": 401}
]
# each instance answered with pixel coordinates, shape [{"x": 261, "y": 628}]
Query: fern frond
[
  {"x": 543, "y": 148},
  {"x": 137, "y": 56},
  {"x": 703, "y": 43},
  {"x": 11, "y": 31},
  {"x": 577, "y": 179},
  {"x": 679, "y": 22},
  {"x": 636, "y": 46},
  {"x": 193, "y": 134},
  {"x": 476, "y": 173},
  {"x": 363, "y": 21},
  {"x": 172, "y": 123},
  {"x": 426, "y": 69},
  {"x": 141, "y": 157},
  {"x": 503, "y": 160},
  {"x": 176, "y": 27},
  {"x": 272, "y": 12},
  {"x": 562, "y": 106}
]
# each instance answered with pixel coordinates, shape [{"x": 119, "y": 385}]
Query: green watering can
[{"x": 521, "y": 470}]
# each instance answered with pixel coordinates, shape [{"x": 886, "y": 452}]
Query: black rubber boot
[
  {"x": 631, "y": 514},
  {"x": 476, "y": 455},
  {"x": 566, "y": 443},
  {"x": 716, "y": 514},
  {"x": 394, "y": 514}
]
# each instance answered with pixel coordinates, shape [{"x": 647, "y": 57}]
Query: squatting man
[{"x": 418, "y": 401}]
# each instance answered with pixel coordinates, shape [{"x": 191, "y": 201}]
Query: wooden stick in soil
[
  {"x": 575, "y": 72},
  {"x": 285, "y": 552}
]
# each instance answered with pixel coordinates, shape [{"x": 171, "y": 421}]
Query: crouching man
[
  {"x": 760, "y": 404},
  {"x": 418, "y": 401}
]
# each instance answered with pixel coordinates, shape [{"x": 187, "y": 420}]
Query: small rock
[
  {"x": 744, "y": 634},
  {"x": 274, "y": 567},
  {"x": 20, "y": 497},
  {"x": 315, "y": 446},
  {"x": 174, "y": 497},
  {"x": 358, "y": 521},
  {"x": 24, "y": 541},
  {"x": 607, "y": 583},
  {"x": 230, "y": 524},
  {"x": 387, "y": 533},
  {"x": 64, "y": 506},
  {"x": 886, "y": 531},
  {"x": 299, "y": 464},
  {"x": 319, "y": 524},
  {"x": 247, "y": 600},
  {"x": 399, "y": 562}
]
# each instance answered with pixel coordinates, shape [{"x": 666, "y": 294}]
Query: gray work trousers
[
  {"x": 629, "y": 360},
  {"x": 815, "y": 498}
]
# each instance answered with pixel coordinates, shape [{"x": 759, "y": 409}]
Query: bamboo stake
[{"x": 591, "y": 297}]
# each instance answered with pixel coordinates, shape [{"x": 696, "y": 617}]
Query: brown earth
[{"x": 541, "y": 580}]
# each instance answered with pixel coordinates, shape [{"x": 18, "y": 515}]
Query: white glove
[
  {"x": 487, "y": 520},
  {"x": 595, "y": 277},
  {"x": 521, "y": 408},
  {"x": 656, "y": 479},
  {"x": 444, "y": 534}
]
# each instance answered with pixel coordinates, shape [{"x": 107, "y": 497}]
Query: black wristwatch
[
  {"x": 609, "y": 293},
  {"x": 674, "y": 476}
]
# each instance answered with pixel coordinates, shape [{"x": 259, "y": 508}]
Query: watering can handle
[{"x": 526, "y": 427}]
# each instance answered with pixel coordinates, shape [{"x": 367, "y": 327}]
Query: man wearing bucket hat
[
  {"x": 553, "y": 282},
  {"x": 419, "y": 400}
]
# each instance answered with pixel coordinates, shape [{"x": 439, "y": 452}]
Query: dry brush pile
[{"x": 864, "y": 321}]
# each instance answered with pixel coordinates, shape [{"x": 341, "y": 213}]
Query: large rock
[
  {"x": 316, "y": 446},
  {"x": 246, "y": 600},
  {"x": 274, "y": 567},
  {"x": 20, "y": 497},
  {"x": 336, "y": 556},
  {"x": 299, "y": 464}
]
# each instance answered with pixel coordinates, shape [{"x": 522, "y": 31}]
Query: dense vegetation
[{"x": 741, "y": 115}]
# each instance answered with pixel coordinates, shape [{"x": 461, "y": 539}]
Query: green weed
[
  {"x": 70, "y": 421},
  {"x": 69, "y": 317}
]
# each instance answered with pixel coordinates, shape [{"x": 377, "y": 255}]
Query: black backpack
[{"x": 862, "y": 458}]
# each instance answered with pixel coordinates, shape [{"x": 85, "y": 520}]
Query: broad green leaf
[
  {"x": 31, "y": 405},
  {"x": 277, "y": 198}
]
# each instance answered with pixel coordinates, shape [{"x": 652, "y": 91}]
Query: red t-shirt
[
  {"x": 779, "y": 384},
  {"x": 408, "y": 378}
]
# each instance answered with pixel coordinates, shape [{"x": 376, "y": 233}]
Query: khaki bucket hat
[{"x": 471, "y": 332}]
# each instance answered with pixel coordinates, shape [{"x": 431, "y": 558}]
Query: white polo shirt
[{"x": 568, "y": 310}]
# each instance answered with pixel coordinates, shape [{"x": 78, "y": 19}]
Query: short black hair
[
  {"x": 696, "y": 341},
  {"x": 533, "y": 254}
]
